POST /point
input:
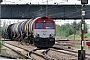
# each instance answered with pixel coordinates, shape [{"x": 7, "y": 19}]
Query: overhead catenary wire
[
  {"x": 50, "y": 9},
  {"x": 7, "y": 11},
  {"x": 38, "y": 11},
  {"x": 43, "y": 13},
  {"x": 4, "y": 8},
  {"x": 59, "y": 13},
  {"x": 69, "y": 13},
  {"x": 56, "y": 7},
  {"x": 32, "y": 12},
  {"x": 29, "y": 13}
]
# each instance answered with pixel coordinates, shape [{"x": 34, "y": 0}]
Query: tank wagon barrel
[{"x": 39, "y": 31}]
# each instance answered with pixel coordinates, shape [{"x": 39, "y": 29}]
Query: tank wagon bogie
[{"x": 39, "y": 31}]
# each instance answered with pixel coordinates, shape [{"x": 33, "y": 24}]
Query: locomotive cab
[{"x": 44, "y": 32}]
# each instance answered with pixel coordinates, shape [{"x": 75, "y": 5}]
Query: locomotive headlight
[
  {"x": 37, "y": 35},
  {"x": 51, "y": 35}
]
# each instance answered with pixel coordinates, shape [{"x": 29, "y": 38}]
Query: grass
[
  {"x": 3, "y": 51},
  {"x": 85, "y": 47},
  {"x": 77, "y": 46}
]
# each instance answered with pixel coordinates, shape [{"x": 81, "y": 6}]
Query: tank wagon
[{"x": 39, "y": 31}]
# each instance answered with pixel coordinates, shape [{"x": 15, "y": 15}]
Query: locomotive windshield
[
  {"x": 42, "y": 25},
  {"x": 49, "y": 25},
  {"x": 39, "y": 25}
]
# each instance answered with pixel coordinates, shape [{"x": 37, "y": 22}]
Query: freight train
[{"x": 39, "y": 32}]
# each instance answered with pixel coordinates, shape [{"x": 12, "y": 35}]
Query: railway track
[
  {"x": 17, "y": 50},
  {"x": 70, "y": 43},
  {"x": 71, "y": 52},
  {"x": 42, "y": 54},
  {"x": 26, "y": 54}
]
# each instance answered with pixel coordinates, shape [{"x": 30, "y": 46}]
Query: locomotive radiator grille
[{"x": 44, "y": 42}]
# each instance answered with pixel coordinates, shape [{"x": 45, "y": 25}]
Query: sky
[
  {"x": 42, "y": 1},
  {"x": 59, "y": 22}
]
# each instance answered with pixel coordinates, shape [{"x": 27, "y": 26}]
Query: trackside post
[{"x": 81, "y": 53}]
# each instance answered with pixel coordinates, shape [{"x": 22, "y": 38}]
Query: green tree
[{"x": 69, "y": 29}]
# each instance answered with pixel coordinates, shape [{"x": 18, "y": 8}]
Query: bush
[{"x": 76, "y": 36}]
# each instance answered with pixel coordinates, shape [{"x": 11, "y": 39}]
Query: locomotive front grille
[{"x": 44, "y": 42}]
